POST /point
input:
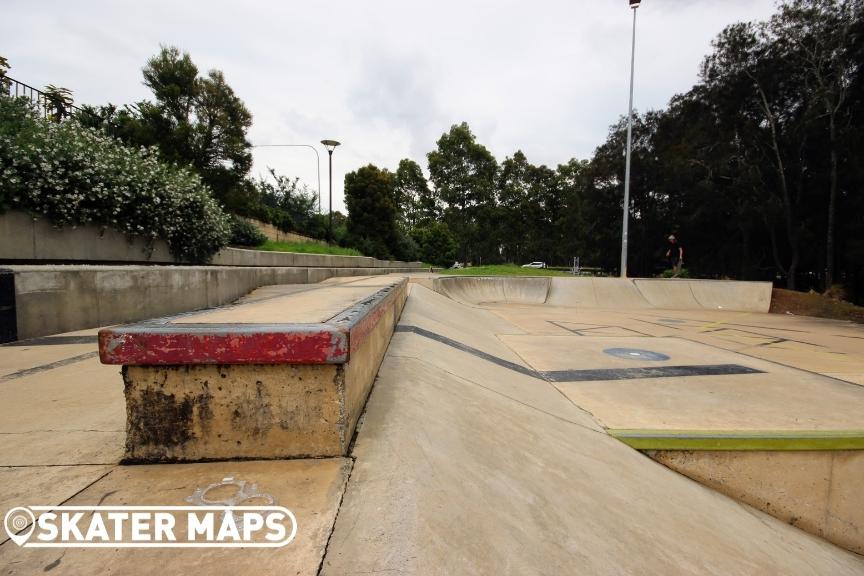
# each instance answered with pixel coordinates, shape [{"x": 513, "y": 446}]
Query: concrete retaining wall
[
  {"x": 56, "y": 299},
  {"x": 23, "y": 238},
  {"x": 609, "y": 293}
]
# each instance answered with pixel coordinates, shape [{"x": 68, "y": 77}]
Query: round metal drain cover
[{"x": 635, "y": 354}]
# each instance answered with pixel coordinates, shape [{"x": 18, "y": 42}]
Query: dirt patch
[{"x": 811, "y": 304}]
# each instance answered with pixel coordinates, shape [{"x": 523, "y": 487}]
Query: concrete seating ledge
[{"x": 199, "y": 391}]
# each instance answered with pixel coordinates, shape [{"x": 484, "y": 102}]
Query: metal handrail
[{"x": 17, "y": 89}]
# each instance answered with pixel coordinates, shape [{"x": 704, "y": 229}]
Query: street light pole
[
  {"x": 634, "y": 4},
  {"x": 317, "y": 160},
  {"x": 330, "y": 145}
]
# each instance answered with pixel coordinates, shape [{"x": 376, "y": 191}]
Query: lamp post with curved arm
[{"x": 317, "y": 159}]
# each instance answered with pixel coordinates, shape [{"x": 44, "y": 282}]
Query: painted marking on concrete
[
  {"x": 50, "y": 366},
  {"x": 593, "y": 327},
  {"x": 55, "y": 340},
  {"x": 657, "y": 324},
  {"x": 590, "y": 375},
  {"x": 636, "y": 354},
  {"x": 782, "y": 440}
]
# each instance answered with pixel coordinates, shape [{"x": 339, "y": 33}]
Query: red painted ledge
[{"x": 164, "y": 343}]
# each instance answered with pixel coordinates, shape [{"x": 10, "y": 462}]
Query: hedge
[{"x": 74, "y": 176}]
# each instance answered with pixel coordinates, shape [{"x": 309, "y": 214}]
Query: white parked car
[{"x": 535, "y": 265}]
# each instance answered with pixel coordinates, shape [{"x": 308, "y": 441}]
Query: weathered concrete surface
[
  {"x": 828, "y": 347},
  {"x": 221, "y": 412},
  {"x": 61, "y": 433},
  {"x": 469, "y": 465},
  {"x": 318, "y": 305},
  {"x": 777, "y": 398},
  {"x": 779, "y": 405},
  {"x": 816, "y": 491},
  {"x": 80, "y": 401},
  {"x": 311, "y": 489},
  {"x": 26, "y": 354},
  {"x": 43, "y": 485},
  {"x": 452, "y": 477},
  {"x": 480, "y": 330},
  {"x": 248, "y": 389}
]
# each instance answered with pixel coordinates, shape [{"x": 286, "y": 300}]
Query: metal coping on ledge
[
  {"x": 329, "y": 342},
  {"x": 741, "y": 440}
]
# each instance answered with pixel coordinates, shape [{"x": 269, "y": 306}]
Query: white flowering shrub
[{"x": 74, "y": 175}]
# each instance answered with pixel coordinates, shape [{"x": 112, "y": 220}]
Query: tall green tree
[
  {"x": 463, "y": 173},
  {"x": 415, "y": 201},
  {"x": 816, "y": 36},
  {"x": 371, "y": 201}
]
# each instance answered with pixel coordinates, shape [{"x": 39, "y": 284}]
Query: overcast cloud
[{"x": 386, "y": 78}]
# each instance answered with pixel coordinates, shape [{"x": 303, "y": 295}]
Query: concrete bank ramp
[
  {"x": 487, "y": 290},
  {"x": 609, "y": 293},
  {"x": 468, "y": 465}
]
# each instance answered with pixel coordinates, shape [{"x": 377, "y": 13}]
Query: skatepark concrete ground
[{"x": 488, "y": 443}]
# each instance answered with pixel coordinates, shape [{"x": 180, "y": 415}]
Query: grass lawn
[
  {"x": 307, "y": 248},
  {"x": 504, "y": 270}
]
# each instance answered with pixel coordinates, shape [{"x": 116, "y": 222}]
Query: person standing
[{"x": 675, "y": 255}]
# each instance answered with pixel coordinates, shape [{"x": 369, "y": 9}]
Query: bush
[
  {"x": 435, "y": 244},
  {"x": 74, "y": 176},
  {"x": 670, "y": 273},
  {"x": 244, "y": 233}
]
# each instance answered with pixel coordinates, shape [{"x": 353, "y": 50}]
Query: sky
[{"x": 385, "y": 77}]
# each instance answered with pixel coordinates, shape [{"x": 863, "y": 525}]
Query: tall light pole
[
  {"x": 634, "y": 4},
  {"x": 330, "y": 145},
  {"x": 317, "y": 160}
]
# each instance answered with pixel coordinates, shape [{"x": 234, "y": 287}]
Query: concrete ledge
[{"x": 198, "y": 391}]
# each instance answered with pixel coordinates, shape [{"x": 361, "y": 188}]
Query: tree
[
  {"x": 194, "y": 120},
  {"x": 517, "y": 207},
  {"x": 435, "y": 243},
  {"x": 756, "y": 89},
  {"x": 414, "y": 200},
  {"x": 816, "y": 35},
  {"x": 370, "y": 199},
  {"x": 463, "y": 173}
]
